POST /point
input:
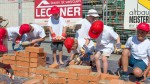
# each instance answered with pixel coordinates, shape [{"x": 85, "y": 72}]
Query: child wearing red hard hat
[
  {"x": 136, "y": 54},
  {"x": 105, "y": 41},
  {"x": 3, "y": 49},
  {"x": 57, "y": 27},
  {"x": 82, "y": 47}
]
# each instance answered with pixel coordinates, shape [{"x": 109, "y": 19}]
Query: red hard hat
[
  {"x": 2, "y": 33},
  {"x": 143, "y": 26},
  {"x": 54, "y": 10},
  {"x": 69, "y": 42},
  {"x": 96, "y": 29},
  {"x": 24, "y": 28}
]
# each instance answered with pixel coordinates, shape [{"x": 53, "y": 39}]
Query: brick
[
  {"x": 93, "y": 77},
  {"x": 34, "y": 65},
  {"x": 34, "y": 81},
  {"x": 111, "y": 77},
  {"x": 24, "y": 59},
  {"x": 33, "y": 59},
  {"x": 79, "y": 69},
  {"x": 36, "y": 55},
  {"x": 54, "y": 79},
  {"x": 32, "y": 70},
  {"x": 39, "y": 77},
  {"x": 104, "y": 82},
  {"x": 22, "y": 74},
  {"x": 23, "y": 64},
  {"x": 9, "y": 57},
  {"x": 23, "y": 69},
  {"x": 115, "y": 81},
  {"x": 54, "y": 66},
  {"x": 42, "y": 71},
  {"x": 103, "y": 76},
  {"x": 32, "y": 75},
  {"x": 71, "y": 81},
  {"x": 65, "y": 74},
  {"x": 34, "y": 49},
  {"x": 11, "y": 62},
  {"x": 92, "y": 82},
  {"x": 2, "y": 71},
  {"x": 24, "y": 54}
]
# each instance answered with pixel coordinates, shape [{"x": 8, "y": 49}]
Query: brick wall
[{"x": 31, "y": 64}]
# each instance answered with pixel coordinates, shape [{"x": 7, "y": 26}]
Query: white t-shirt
[
  {"x": 83, "y": 31},
  {"x": 57, "y": 28},
  {"x": 81, "y": 41},
  {"x": 13, "y": 33},
  {"x": 38, "y": 32},
  {"x": 105, "y": 42},
  {"x": 139, "y": 50}
]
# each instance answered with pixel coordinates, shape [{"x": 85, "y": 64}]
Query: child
[
  {"x": 105, "y": 40},
  {"x": 137, "y": 54},
  {"x": 83, "y": 47},
  {"x": 57, "y": 27}
]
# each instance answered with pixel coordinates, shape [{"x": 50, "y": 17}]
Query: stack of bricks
[
  {"x": 6, "y": 60},
  {"x": 24, "y": 63}
]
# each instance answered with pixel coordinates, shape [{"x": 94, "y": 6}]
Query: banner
[
  {"x": 71, "y": 10},
  {"x": 136, "y": 11}
]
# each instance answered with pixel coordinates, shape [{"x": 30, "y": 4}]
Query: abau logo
[{"x": 145, "y": 3}]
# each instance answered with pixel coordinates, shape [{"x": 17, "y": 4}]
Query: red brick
[
  {"x": 92, "y": 82},
  {"x": 42, "y": 71},
  {"x": 32, "y": 75},
  {"x": 23, "y": 64},
  {"x": 23, "y": 69},
  {"x": 32, "y": 70},
  {"x": 70, "y": 81},
  {"x": 34, "y": 49},
  {"x": 39, "y": 77},
  {"x": 79, "y": 69},
  {"x": 11, "y": 62},
  {"x": 54, "y": 79},
  {"x": 2, "y": 71},
  {"x": 110, "y": 77},
  {"x": 34, "y": 65},
  {"x": 103, "y": 76},
  {"x": 34, "y": 81},
  {"x": 93, "y": 77},
  {"x": 9, "y": 57},
  {"x": 33, "y": 59},
  {"x": 22, "y": 74},
  {"x": 54, "y": 66},
  {"x": 115, "y": 81},
  {"x": 36, "y": 55},
  {"x": 104, "y": 82},
  {"x": 24, "y": 59},
  {"x": 24, "y": 54},
  {"x": 65, "y": 74}
]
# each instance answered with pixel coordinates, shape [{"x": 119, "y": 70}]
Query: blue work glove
[{"x": 13, "y": 46}]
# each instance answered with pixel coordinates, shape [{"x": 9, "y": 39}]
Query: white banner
[{"x": 136, "y": 11}]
